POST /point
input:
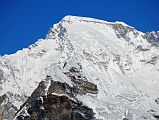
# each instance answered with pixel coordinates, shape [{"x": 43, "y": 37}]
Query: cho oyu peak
[{"x": 86, "y": 69}]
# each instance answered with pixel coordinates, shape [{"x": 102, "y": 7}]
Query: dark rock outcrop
[
  {"x": 63, "y": 108},
  {"x": 81, "y": 82},
  {"x": 60, "y": 88},
  {"x": 2, "y": 98},
  {"x": 122, "y": 31},
  {"x": 59, "y": 102},
  {"x": 152, "y": 37},
  {"x": 7, "y": 109},
  {"x": 1, "y": 75}
]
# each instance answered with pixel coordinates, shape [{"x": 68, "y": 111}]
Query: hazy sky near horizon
[{"x": 22, "y": 22}]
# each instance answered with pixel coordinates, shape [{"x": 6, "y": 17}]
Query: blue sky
[{"x": 22, "y": 22}]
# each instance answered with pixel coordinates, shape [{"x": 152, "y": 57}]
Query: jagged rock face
[
  {"x": 2, "y": 98},
  {"x": 110, "y": 67},
  {"x": 60, "y": 88},
  {"x": 123, "y": 31},
  {"x": 7, "y": 109},
  {"x": 1, "y": 75},
  {"x": 83, "y": 85},
  {"x": 57, "y": 103},
  {"x": 62, "y": 108},
  {"x": 152, "y": 37},
  {"x": 39, "y": 91}
]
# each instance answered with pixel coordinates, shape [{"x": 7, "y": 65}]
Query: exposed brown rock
[
  {"x": 73, "y": 69},
  {"x": 59, "y": 102},
  {"x": 2, "y": 98},
  {"x": 39, "y": 91},
  {"x": 60, "y": 88},
  {"x": 88, "y": 87},
  {"x": 63, "y": 108},
  {"x": 1, "y": 116},
  {"x": 82, "y": 83}
]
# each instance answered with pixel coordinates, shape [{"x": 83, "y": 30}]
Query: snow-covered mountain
[{"x": 119, "y": 62}]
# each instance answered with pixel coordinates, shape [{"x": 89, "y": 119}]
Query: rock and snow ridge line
[{"x": 71, "y": 19}]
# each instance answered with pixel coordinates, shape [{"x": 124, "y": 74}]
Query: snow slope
[{"x": 122, "y": 61}]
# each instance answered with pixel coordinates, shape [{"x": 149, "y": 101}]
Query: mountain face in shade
[{"x": 84, "y": 69}]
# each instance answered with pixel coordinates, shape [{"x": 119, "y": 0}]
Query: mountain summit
[{"x": 84, "y": 69}]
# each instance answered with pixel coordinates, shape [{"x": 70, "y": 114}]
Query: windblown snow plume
[{"x": 84, "y": 69}]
